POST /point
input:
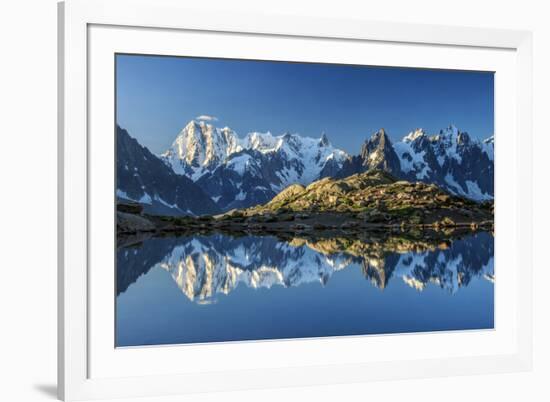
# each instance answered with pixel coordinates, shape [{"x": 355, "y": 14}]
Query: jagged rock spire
[{"x": 378, "y": 153}]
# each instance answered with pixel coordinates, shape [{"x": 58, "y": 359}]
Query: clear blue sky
[{"x": 157, "y": 96}]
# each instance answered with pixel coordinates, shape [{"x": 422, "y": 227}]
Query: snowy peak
[
  {"x": 292, "y": 144},
  {"x": 267, "y": 164},
  {"x": 450, "y": 131},
  {"x": 200, "y": 147},
  {"x": 241, "y": 172},
  {"x": 414, "y": 135},
  {"x": 451, "y": 159},
  {"x": 447, "y": 135},
  {"x": 262, "y": 142}
]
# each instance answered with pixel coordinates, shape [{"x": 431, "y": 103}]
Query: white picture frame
[{"x": 84, "y": 26}]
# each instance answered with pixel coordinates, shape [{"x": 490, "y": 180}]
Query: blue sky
[{"x": 157, "y": 96}]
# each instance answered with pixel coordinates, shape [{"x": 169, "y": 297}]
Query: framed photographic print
[{"x": 265, "y": 201}]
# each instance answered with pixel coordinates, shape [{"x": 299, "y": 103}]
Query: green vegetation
[{"x": 376, "y": 197}]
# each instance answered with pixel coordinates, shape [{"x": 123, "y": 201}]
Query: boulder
[{"x": 131, "y": 223}]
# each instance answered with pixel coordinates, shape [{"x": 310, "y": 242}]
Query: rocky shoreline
[{"x": 317, "y": 228}]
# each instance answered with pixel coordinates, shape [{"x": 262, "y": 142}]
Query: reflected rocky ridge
[{"x": 210, "y": 264}]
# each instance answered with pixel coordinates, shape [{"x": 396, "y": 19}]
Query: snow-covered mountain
[
  {"x": 217, "y": 264},
  {"x": 450, "y": 159},
  {"x": 449, "y": 269},
  {"x": 144, "y": 178},
  {"x": 304, "y": 158},
  {"x": 241, "y": 172},
  {"x": 199, "y": 148},
  {"x": 206, "y": 266}
]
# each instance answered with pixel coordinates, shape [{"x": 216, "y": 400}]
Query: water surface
[{"x": 213, "y": 288}]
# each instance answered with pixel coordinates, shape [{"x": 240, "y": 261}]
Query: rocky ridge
[{"x": 373, "y": 200}]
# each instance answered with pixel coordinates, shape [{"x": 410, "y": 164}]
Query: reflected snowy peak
[{"x": 204, "y": 266}]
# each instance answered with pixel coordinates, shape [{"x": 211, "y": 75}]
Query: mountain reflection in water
[{"x": 216, "y": 269}]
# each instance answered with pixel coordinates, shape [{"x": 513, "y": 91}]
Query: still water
[{"x": 213, "y": 288}]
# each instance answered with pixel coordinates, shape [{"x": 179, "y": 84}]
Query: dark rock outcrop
[{"x": 144, "y": 178}]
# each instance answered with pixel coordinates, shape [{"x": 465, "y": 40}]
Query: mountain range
[
  {"x": 234, "y": 172},
  {"x": 205, "y": 266},
  {"x": 239, "y": 173}
]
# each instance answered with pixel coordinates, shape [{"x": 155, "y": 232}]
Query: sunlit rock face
[
  {"x": 200, "y": 147},
  {"x": 241, "y": 172},
  {"x": 206, "y": 266},
  {"x": 377, "y": 153}
]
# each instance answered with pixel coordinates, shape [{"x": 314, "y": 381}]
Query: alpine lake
[{"x": 221, "y": 286}]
